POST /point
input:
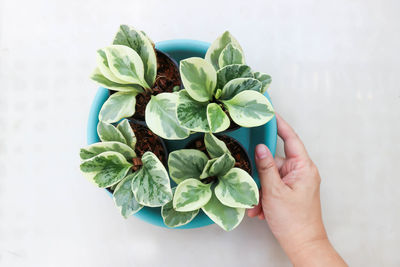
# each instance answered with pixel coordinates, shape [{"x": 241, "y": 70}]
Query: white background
[{"x": 335, "y": 69}]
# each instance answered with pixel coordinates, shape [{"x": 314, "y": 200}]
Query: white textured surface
[{"x": 335, "y": 68}]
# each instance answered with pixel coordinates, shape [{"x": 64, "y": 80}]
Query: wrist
[
  {"x": 304, "y": 243},
  {"x": 317, "y": 252}
]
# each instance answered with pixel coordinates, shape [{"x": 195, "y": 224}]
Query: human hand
[{"x": 290, "y": 202}]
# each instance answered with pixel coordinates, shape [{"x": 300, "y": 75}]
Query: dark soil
[
  {"x": 167, "y": 78},
  {"x": 147, "y": 141},
  {"x": 237, "y": 151}
]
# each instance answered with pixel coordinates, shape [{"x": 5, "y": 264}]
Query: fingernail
[{"x": 261, "y": 151}]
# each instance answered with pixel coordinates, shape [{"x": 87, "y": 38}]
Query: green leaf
[
  {"x": 126, "y": 130},
  {"x": 126, "y": 64},
  {"x": 206, "y": 170},
  {"x": 235, "y": 86},
  {"x": 124, "y": 198},
  {"x": 186, "y": 163},
  {"x": 102, "y": 64},
  {"x": 237, "y": 189},
  {"x": 150, "y": 183},
  {"x": 214, "y": 146},
  {"x": 173, "y": 218},
  {"x": 250, "y": 109},
  {"x": 230, "y": 55},
  {"x": 161, "y": 117},
  {"x": 225, "y": 217},
  {"x": 231, "y": 72},
  {"x": 217, "y": 46},
  {"x": 199, "y": 78},
  {"x": 105, "y": 169},
  {"x": 98, "y": 148},
  {"x": 218, "y": 93},
  {"x": 119, "y": 105},
  {"x": 222, "y": 165},
  {"x": 148, "y": 38},
  {"x": 265, "y": 79},
  {"x": 108, "y": 132},
  {"x": 218, "y": 121},
  {"x": 192, "y": 114},
  {"x": 191, "y": 195},
  {"x": 98, "y": 77},
  {"x": 139, "y": 42}
]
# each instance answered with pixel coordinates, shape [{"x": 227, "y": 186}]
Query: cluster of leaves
[
  {"x": 217, "y": 89},
  {"x": 109, "y": 164},
  {"x": 214, "y": 87},
  {"x": 212, "y": 184},
  {"x": 128, "y": 66}
]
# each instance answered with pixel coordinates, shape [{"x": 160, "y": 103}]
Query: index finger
[{"x": 293, "y": 146}]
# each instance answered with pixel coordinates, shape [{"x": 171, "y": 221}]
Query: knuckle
[{"x": 266, "y": 165}]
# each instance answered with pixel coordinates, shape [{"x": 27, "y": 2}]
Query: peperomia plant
[
  {"x": 226, "y": 56},
  {"x": 129, "y": 66},
  {"x": 211, "y": 183},
  {"x": 217, "y": 89},
  {"x": 136, "y": 182}
]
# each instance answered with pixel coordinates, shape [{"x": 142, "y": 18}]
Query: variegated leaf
[
  {"x": 218, "y": 93},
  {"x": 139, "y": 42},
  {"x": 225, "y": 217},
  {"x": 173, "y": 218},
  {"x": 126, "y": 130},
  {"x": 191, "y": 114},
  {"x": 124, "y": 198},
  {"x": 230, "y": 72},
  {"x": 98, "y": 77},
  {"x": 150, "y": 183},
  {"x": 222, "y": 165},
  {"x": 217, "y": 46},
  {"x": 199, "y": 78},
  {"x": 235, "y": 86},
  {"x": 237, "y": 189},
  {"x": 206, "y": 171},
  {"x": 102, "y": 64},
  {"x": 108, "y": 132},
  {"x": 230, "y": 55},
  {"x": 191, "y": 195},
  {"x": 161, "y": 117},
  {"x": 186, "y": 163},
  {"x": 126, "y": 64},
  {"x": 214, "y": 146},
  {"x": 119, "y": 105},
  {"x": 105, "y": 169},
  {"x": 250, "y": 109},
  {"x": 218, "y": 121},
  {"x": 265, "y": 79},
  {"x": 148, "y": 38},
  {"x": 98, "y": 148}
]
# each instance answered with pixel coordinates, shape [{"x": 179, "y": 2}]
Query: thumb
[{"x": 267, "y": 169}]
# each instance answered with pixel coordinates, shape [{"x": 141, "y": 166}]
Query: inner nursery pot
[
  {"x": 248, "y": 138},
  {"x": 167, "y": 79},
  {"x": 238, "y": 152}
]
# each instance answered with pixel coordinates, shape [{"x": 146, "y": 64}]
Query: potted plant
[
  {"x": 210, "y": 181},
  {"x": 133, "y": 70},
  {"x": 218, "y": 90},
  {"x": 133, "y": 171},
  {"x": 213, "y": 174}
]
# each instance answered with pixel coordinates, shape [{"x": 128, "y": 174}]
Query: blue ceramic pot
[{"x": 248, "y": 137}]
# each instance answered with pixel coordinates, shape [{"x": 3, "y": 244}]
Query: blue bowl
[{"x": 248, "y": 137}]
